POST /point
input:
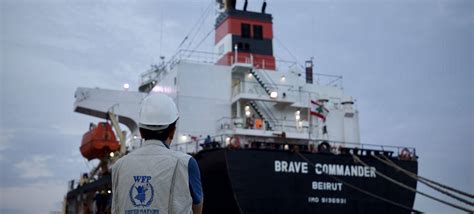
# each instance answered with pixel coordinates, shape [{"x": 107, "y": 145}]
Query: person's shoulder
[
  {"x": 192, "y": 163},
  {"x": 183, "y": 157},
  {"x": 181, "y": 154},
  {"x": 117, "y": 164},
  {"x": 123, "y": 159}
]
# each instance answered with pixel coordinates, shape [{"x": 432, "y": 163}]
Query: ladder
[
  {"x": 259, "y": 112},
  {"x": 261, "y": 81}
]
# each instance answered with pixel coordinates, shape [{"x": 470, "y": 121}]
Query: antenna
[
  {"x": 245, "y": 5},
  {"x": 161, "y": 28},
  {"x": 264, "y": 6}
]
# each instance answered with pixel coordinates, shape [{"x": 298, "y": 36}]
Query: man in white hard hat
[{"x": 153, "y": 178}]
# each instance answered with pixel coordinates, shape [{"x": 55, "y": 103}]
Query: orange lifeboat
[{"x": 99, "y": 141}]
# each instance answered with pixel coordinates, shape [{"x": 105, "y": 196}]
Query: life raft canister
[
  {"x": 324, "y": 147},
  {"x": 405, "y": 154},
  {"x": 99, "y": 141},
  {"x": 234, "y": 142}
]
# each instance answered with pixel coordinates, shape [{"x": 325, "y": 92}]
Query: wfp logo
[{"x": 141, "y": 192}]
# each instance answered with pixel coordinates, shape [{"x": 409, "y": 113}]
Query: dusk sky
[{"x": 408, "y": 63}]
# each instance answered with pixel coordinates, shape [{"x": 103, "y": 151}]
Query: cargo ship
[{"x": 270, "y": 136}]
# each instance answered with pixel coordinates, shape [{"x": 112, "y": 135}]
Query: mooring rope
[
  {"x": 414, "y": 176},
  {"x": 434, "y": 182},
  {"x": 357, "y": 159}
]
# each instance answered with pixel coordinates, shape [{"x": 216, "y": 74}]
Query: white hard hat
[{"x": 157, "y": 112}]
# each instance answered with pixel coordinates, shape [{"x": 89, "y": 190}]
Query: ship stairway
[
  {"x": 263, "y": 80},
  {"x": 264, "y": 113}
]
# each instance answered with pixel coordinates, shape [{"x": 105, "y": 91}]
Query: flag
[{"x": 318, "y": 109}]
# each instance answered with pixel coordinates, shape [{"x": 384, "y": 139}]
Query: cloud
[
  {"x": 40, "y": 197},
  {"x": 75, "y": 129},
  {"x": 36, "y": 167},
  {"x": 6, "y": 135}
]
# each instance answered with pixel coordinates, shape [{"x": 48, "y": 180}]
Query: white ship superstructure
[{"x": 220, "y": 100}]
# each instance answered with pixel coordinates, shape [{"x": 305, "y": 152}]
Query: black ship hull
[
  {"x": 248, "y": 181},
  {"x": 254, "y": 181}
]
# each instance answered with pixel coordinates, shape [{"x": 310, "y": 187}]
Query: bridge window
[
  {"x": 246, "y": 47},
  {"x": 242, "y": 46},
  {"x": 245, "y": 28},
  {"x": 257, "y": 32}
]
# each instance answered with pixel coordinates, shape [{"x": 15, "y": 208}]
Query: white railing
[
  {"x": 197, "y": 144},
  {"x": 285, "y": 92},
  {"x": 204, "y": 57},
  {"x": 231, "y": 124}
]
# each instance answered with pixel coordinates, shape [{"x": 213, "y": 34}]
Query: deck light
[
  {"x": 247, "y": 113},
  {"x": 274, "y": 94},
  {"x": 283, "y": 78},
  {"x": 112, "y": 154},
  {"x": 249, "y": 75},
  {"x": 247, "y": 108},
  {"x": 126, "y": 86}
]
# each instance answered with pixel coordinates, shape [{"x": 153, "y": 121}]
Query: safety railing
[
  {"x": 193, "y": 145},
  {"x": 338, "y": 147},
  {"x": 318, "y": 78},
  {"x": 246, "y": 58},
  {"x": 234, "y": 59},
  {"x": 311, "y": 146},
  {"x": 328, "y": 80},
  {"x": 154, "y": 73},
  {"x": 285, "y": 92},
  {"x": 187, "y": 55},
  {"x": 249, "y": 87},
  {"x": 279, "y": 125}
]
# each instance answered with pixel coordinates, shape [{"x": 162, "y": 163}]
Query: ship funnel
[{"x": 243, "y": 36}]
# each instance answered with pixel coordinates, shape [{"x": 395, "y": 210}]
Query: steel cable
[
  {"x": 414, "y": 176},
  {"x": 434, "y": 182},
  {"x": 204, "y": 13},
  {"x": 358, "y": 160},
  {"x": 199, "y": 23}
]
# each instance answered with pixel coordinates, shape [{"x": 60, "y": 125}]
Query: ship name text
[{"x": 281, "y": 166}]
